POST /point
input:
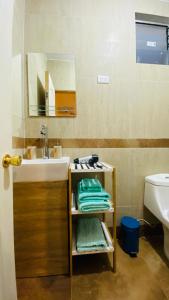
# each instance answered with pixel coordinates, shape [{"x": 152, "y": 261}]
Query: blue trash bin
[{"x": 130, "y": 235}]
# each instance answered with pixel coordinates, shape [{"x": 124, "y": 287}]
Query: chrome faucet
[{"x": 44, "y": 133}]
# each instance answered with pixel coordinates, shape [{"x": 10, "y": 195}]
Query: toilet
[{"x": 156, "y": 199}]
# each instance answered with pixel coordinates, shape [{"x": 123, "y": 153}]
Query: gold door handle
[{"x": 15, "y": 160}]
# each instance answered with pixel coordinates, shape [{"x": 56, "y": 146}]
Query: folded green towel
[
  {"x": 84, "y": 197},
  {"x": 92, "y": 200},
  {"x": 93, "y": 205},
  {"x": 90, "y": 236},
  {"x": 87, "y": 196},
  {"x": 90, "y": 185}
]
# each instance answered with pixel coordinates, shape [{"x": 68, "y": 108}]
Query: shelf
[
  {"x": 77, "y": 172},
  {"x": 86, "y": 168},
  {"x": 78, "y": 212},
  {"x": 108, "y": 238}
]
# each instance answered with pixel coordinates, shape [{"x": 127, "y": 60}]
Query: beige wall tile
[
  {"x": 47, "y": 33},
  {"x": 18, "y": 126},
  {"x": 126, "y": 100},
  {"x": 101, "y": 35},
  {"x": 58, "y": 7}
]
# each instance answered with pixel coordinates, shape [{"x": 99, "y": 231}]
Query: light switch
[{"x": 103, "y": 79}]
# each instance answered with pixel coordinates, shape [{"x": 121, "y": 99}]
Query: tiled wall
[{"x": 101, "y": 36}]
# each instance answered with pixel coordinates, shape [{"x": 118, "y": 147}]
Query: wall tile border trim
[
  {"x": 92, "y": 143},
  {"x": 18, "y": 142}
]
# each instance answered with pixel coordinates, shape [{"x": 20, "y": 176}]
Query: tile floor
[{"x": 145, "y": 277}]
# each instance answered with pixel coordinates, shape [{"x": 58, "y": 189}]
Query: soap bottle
[
  {"x": 57, "y": 151},
  {"x": 31, "y": 152}
]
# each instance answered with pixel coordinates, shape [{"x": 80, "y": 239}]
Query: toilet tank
[{"x": 156, "y": 194}]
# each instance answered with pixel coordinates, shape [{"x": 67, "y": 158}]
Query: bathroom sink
[{"x": 51, "y": 169}]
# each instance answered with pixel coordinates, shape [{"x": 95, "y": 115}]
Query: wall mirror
[{"x": 51, "y": 85}]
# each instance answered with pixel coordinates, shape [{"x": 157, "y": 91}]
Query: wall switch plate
[{"x": 103, "y": 79}]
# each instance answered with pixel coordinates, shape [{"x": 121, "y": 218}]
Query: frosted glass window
[{"x": 151, "y": 44}]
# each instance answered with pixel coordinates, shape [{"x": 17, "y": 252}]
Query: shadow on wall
[{"x": 154, "y": 234}]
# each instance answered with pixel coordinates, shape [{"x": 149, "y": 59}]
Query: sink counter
[{"x": 36, "y": 170}]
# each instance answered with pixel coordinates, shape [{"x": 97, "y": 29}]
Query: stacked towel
[
  {"x": 90, "y": 185},
  {"x": 91, "y": 196},
  {"x": 90, "y": 236}
]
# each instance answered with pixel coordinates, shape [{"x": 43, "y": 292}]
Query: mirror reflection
[{"x": 51, "y": 85}]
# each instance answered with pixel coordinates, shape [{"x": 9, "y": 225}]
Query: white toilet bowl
[{"x": 156, "y": 199}]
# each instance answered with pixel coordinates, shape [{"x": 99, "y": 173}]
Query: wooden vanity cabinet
[{"x": 41, "y": 228}]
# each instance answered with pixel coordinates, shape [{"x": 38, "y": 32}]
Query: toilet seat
[
  {"x": 156, "y": 199},
  {"x": 158, "y": 179}
]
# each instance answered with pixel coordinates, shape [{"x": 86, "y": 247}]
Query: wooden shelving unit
[{"x": 76, "y": 173}]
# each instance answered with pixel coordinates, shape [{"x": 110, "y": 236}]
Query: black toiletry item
[{"x": 92, "y": 159}]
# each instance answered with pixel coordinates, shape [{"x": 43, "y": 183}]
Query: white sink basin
[{"x": 42, "y": 170}]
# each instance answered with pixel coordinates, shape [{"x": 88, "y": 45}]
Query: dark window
[{"x": 152, "y": 44}]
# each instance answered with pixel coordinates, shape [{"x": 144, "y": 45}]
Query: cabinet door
[{"x": 41, "y": 228}]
